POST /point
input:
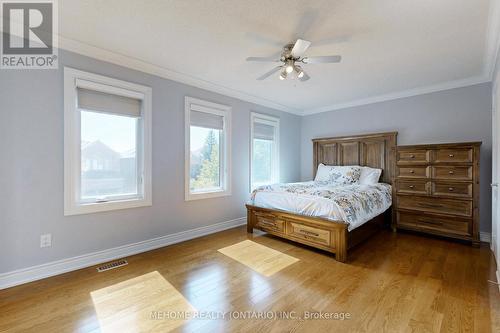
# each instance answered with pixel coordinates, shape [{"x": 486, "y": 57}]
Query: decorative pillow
[
  {"x": 369, "y": 176},
  {"x": 341, "y": 175}
]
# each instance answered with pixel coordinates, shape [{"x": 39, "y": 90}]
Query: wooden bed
[{"x": 374, "y": 150}]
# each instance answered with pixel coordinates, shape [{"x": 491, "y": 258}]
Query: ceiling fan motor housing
[{"x": 287, "y": 53}]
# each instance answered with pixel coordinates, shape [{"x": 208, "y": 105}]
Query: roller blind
[
  {"x": 207, "y": 120},
  {"x": 263, "y": 131},
  {"x": 109, "y": 103}
]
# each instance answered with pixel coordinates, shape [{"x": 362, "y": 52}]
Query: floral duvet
[{"x": 352, "y": 204}]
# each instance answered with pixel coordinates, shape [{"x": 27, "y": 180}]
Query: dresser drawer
[
  {"x": 451, "y": 189},
  {"x": 436, "y": 205},
  {"x": 413, "y": 186},
  {"x": 413, "y": 157},
  {"x": 453, "y": 155},
  {"x": 434, "y": 224},
  {"x": 406, "y": 220},
  {"x": 452, "y": 172},
  {"x": 414, "y": 172},
  {"x": 312, "y": 234},
  {"x": 269, "y": 222}
]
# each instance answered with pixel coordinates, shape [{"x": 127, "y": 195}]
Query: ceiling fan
[{"x": 291, "y": 55}]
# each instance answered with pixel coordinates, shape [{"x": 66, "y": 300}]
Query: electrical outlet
[{"x": 46, "y": 240}]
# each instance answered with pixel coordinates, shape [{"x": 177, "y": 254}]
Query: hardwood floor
[{"x": 393, "y": 283}]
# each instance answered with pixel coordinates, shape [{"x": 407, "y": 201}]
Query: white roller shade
[
  {"x": 108, "y": 103},
  {"x": 207, "y": 120},
  {"x": 263, "y": 131}
]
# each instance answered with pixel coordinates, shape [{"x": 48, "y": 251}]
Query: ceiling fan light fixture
[
  {"x": 289, "y": 66},
  {"x": 299, "y": 71},
  {"x": 283, "y": 75}
]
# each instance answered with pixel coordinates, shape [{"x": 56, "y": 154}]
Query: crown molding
[
  {"x": 492, "y": 46},
  {"x": 143, "y": 66},
  {"x": 401, "y": 94}
]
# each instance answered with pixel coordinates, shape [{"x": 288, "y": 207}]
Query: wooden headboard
[{"x": 376, "y": 150}]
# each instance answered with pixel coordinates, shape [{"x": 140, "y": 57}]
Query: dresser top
[{"x": 442, "y": 145}]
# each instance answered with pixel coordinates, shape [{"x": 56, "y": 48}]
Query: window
[
  {"x": 107, "y": 143},
  {"x": 264, "y": 150},
  {"x": 207, "y": 136}
]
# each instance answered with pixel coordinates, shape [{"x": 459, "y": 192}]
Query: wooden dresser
[{"x": 437, "y": 189}]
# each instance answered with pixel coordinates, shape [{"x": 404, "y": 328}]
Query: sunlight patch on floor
[
  {"x": 260, "y": 258},
  {"x": 142, "y": 304}
]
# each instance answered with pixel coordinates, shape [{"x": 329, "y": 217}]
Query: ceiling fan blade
[
  {"x": 306, "y": 22},
  {"x": 300, "y": 48},
  {"x": 263, "y": 59},
  {"x": 322, "y": 59},
  {"x": 268, "y": 74},
  {"x": 305, "y": 77}
]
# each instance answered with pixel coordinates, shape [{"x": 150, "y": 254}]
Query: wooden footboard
[{"x": 331, "y": 236}]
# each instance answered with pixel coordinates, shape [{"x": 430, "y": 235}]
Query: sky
[
  {"x": 198, "y": 136},
  {"x": 117, "y": 132}
]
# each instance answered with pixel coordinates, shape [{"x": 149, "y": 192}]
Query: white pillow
[
  {"x": 340, "y": 175},
  {"x": 322, "y": 174},
  {"x": 369, "y": 176}
]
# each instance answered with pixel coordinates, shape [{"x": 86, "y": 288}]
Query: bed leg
[
  {"x": 341, "y": 248},
  {"x": 250, "y": 221},
  {"x": 341, "y": 256}
]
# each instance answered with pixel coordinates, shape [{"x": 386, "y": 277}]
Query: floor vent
[{"x": 112, "y": 265}]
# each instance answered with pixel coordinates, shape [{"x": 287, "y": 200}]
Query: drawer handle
[
  {"x": 430, "y": 222},
  {"x": 306, "y": 232},
  {"x": 412, "y": 156},
  {"x": 451, "y": 172},
  {"x": 267, "y": 224},
  {"x": 451, "y": 155},
  {"x": 411, "y": 186},
  {"x": 269, "y": 227},
  {"x": 451, "y": 189},
  {"x": 423, "y": 204},
  {"x": 412, "y": 171}
]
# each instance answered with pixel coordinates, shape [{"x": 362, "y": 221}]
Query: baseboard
[
  {"x": 25, "y": 275},
  {"x": 485, "y": 237}
]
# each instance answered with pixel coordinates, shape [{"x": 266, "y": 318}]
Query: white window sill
[
  {"x": 206, "y": 195},
  {"x": 79, "y": 209}
]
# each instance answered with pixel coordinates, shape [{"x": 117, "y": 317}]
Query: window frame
[
  {"x": 74, "y": 79},
  {"x": 224, "y": 141},
  {"x": 271, "y": 121}
]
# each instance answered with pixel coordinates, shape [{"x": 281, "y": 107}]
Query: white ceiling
[{"x": 388, "y": 46}]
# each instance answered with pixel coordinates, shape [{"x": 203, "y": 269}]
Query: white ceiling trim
[
  {"x": 401, "y": 94},
  {"x": 140, "y": 65},
  {"x": 491, "y": 56}
]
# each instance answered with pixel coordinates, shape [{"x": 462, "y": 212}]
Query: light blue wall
[
  {"x": 31, "y": 168},
  {"x": 455, "y": 115}
]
